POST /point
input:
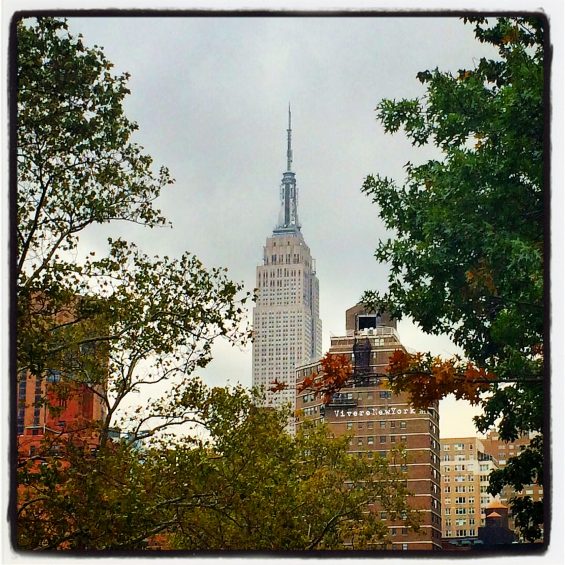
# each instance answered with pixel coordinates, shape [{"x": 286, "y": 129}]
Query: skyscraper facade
[{"x": 286, "y": 321}]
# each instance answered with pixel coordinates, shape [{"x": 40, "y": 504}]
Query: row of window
[
  {"x": 382, "y": 439},
  {"x": 461, "y": 533},
  {"x": 461, "y": 522},
  {"x": 461, "y": 500},
  {"x": 458, "y": 447},
  {"x": 460, "y": 510},
  {"x": 382, "y": 424},
  {"x": 280, "y": 259},
  {"x": 461, "y": 488},
  {"x": 448, "y": 457}
]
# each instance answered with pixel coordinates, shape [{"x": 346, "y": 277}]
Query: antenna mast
[{"x": 289, "y": 143}]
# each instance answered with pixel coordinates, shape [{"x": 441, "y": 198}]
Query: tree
[
  {"x": 76, "y": 164},
  {"x": 99, "y": 321},
  {"x": 335, "y": 372},
  {"x": 109, "y": 325},
  {"x": 467, "y": 256},
  {"x": 238, "y": 481}
]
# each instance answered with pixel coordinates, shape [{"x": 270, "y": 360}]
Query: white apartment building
[{"x": 465, "y": 470}]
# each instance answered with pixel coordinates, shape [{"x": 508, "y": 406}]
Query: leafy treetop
[{"x": 467, "y": 255}]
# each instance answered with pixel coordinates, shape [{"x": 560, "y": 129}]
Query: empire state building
[{"x": 286, "y": 323}]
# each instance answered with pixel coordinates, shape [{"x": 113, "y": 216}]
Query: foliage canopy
[
  {"x": 467, "y": 255},
  {"x": 238, "y": 482}
]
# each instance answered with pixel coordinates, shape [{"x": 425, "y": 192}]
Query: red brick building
[
  {"x": 59, "y": 401},
  {"x": 50, "y": 408},
  {"x": 378, "y": 421}
]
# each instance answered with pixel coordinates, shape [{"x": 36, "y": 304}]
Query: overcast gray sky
[{"x": 211, "y": 97}]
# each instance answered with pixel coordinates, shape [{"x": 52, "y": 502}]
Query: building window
[
  {"x": 53, "y": 376},
  {"x": 403, "y": 425},
  {"x": 383, "y": 439}
]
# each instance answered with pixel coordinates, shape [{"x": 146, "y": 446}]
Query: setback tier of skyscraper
[{"x": 286, "y": 322}]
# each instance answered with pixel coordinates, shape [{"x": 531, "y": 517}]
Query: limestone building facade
[{"x": 287, "y": 330}]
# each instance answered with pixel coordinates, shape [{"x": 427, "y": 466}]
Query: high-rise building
[
  {"x": 465, "y": 467},
  {"x": 465, "y": 470},
  {"x": 502, "y": 451},
  {"x": 378, "y": 421},
  {"x": 286, "y": 323}
]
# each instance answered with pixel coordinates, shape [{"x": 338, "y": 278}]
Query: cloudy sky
[
  {"x": 211, "y": 98},
  {"x": 211, "y": 95}
]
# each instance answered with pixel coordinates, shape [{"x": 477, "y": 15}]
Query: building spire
[
  {"x": 288, "y": 215},
  {"x": 289, "y": 142}
]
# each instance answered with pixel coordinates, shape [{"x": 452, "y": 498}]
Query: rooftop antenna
[{"x": 289, "y": 144}]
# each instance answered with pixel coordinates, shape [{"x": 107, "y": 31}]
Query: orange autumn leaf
[
  {"x": 335, "y": 371},
  {"x": 277, "y": 386},
  {"x": 427, "y": 379}
]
